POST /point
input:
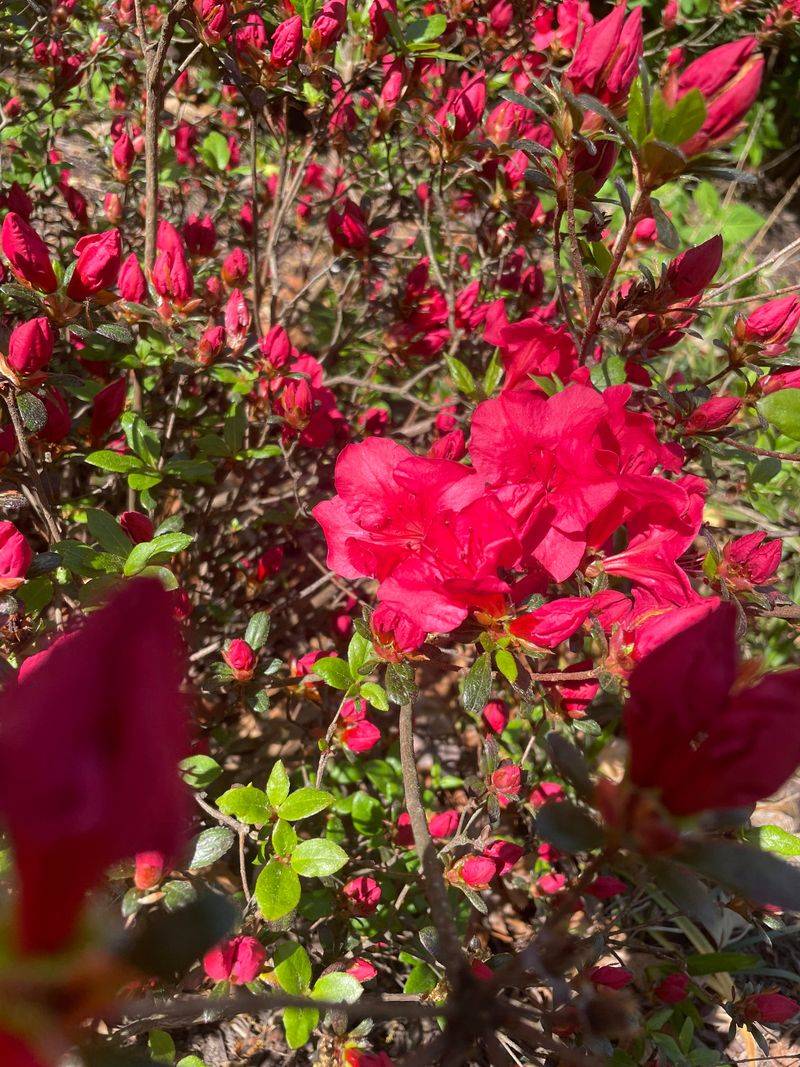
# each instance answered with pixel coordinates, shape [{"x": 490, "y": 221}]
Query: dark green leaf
[
  {"x": 257, "y": 630},
  {"x": 200, "y": 771},
  {"x": 477, "y": 684},
  {"x": 757, "y": 876},
  {"x": 210, "y": 845},
  {"x": 568, "y": 827}
]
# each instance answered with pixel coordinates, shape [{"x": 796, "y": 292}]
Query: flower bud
[
  {"x": 235, "y": 268},
  {"x": 112, "y": 208},
  {"x": 99, "y": 256},
  {"x": 693, "y": 270},
  {"x": 59, "y": 420},
  {"x": 149, "y": 869},
  {"x": 238, "y": 960},
  {"x": 15, "y": 557},
  {"x": 495, "y": 716},
  {"x": 477, "y": 871},
  {"x": 348, "y": 228},
  {"x": 769, "y": 328},
  {"x": 122, "y": 157},
  {"x": 769, "y": 1008},
  {"x": 214, "y": 20},
  {"x": 749, "y": 561},
  {"x": 672, "y": 989},
  {"x": 713, "y": 414},
  {"x": 131, "y": 282},
  {"x": 30, "y": 346},
  {"x": 611, "y": 977},
  {"x": 237, "y": 320},
  {"x": 107, "y": 407},
  {"x": 137, "y": 526},
  {"x": 606, "y": 62},
  {"x": 210, "y": 344},
  {"x": 377, "y": 18},
  {"x": 241, "y": 659},
  {"x": 362, "y": 895},
  {"x": 200, "y": 235},
  {"x": 287, "y": 41},
  {"x": 27, "y": 254}
]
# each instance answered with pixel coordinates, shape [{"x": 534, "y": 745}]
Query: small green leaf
[
  {"x": 774, "y": 839},
  {"x": 422, "y": 979},
  {"x": 337, "y": 988},
  {"x": 477, "y": 684},
  {"x": 284, "y": 838},
  {"x": 200, "y": 771},
  {"x": 178, "y": 895},
  {"x": 161, "y": 1046},
  {"x": 277, "y": 890},
  {"x": 298, "y": 1024},
  {"x": 334, "y": 671},
  {"x": 257, "y": 630},
  {"x": 209, "y": 846},
  {"x": 703, "y": 963},
  {"x": 107, "y": 532},
  {"x": 292, "y": 968},
  {"x": 215, "y": 151},
  {"x": 318, "y": 858},
  {"x": 167, "y": 544},
  {"x": 358, "y": 652},
  {"x": 461, "y": 375},
  {"x": 506, "y": 664},
  {"x": 118, "y": 462},
  {"x": 246, "y": 803},
  {"x": 33, "y": 411},
  {"x": 278, "y": 785},
  {"x": 399, "y": 682},
  {"x": 115, "y": 331},
  {"x": 422, "y": 30},
  {"x": 304, "y": 803},
  {"x": 782, "y": 409},
  {"x": 376, "y": 695}
]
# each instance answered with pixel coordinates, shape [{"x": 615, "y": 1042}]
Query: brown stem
[
  {"x": 620, "y": 245},
  {"x": 432, "y": 869},
  {"x": 255, "y": 235},
  {"x": 575, "y": 252}
]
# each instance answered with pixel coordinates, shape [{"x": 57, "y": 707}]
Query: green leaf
[
  {"x": 774, "y": 839},
  {"x": 161, "y": 1046},
  {"x": 757, "y": 876},
  {"x": 422, "y": 30},
  {"x": 257, "y": 630},
  {"x": 191, "y": 1061},
  {"x": 246, "y": 803},
  {"x": 298, "y": 1024},
  {"x": 209, "y": 846},
  {"x": 214, "y": 151},
  {"x": 334, "y": 671},
  {"x": 304, "y": 803},
  {"x": 376, "y": 695},
  {"x": 178, "y": 895},
  {"x": 337, "y": 988},
  {"x": 278, "y": 785},
  {"x": 461, "y": 375},
  {"x": 569, "y": 762},
  {"x": 292, "y": 968},
  {"x": 358, "y": 652},
  {"x": 167, "y": 544},
  {"x": 118, "y": 462},
  {"x": 318, "y": 858},
  {"x": 277, "y": 890},
  {"x": 678, "y": 124},
  {"x": 141, "y": 439},
  {"x": 367, "y": 813},
  {"x": 421, "y": 980},
  {"x": 739, "y": 223},
  {"x": 782, "y": 409},
  {"x": 399, "y": 681},
  {"x": 36, "y": 594},
  {"x": 506, "y": 664},
  {"x": 568, "y": 827},
  {"x": 33, "y": 411},
  {"x": 108, "y": 532},
  {"x": 702, "y": 963},
  {"x": 200, "y": 771},
  {"x": 115, "y": 331},
  {"x": 284, "y": 838},
  {"x": 610, "y": 372},
  {"x": 141, "y": 481},
  {"x": 477, "y": 684}
]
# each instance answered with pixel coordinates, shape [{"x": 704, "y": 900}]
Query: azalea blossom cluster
[{"x": 398, "y": 440}]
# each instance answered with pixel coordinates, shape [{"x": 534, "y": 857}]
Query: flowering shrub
[{"x": 398, "y": 444}]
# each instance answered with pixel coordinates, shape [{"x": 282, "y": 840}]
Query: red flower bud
[
  {"x": 237, "y": 961},
  {"x": 112, "y": 208},
  {"x": 237, "y": 320},
  {"x": 137, "y": 526},
  {"x": 729, "y": 78},
  {"x": 606, "y": 61},
  {"x": 27, "y": 254},
  {"x": 477, "y": 871},
  {"x": 172, "y": 277},
  {"x": 210, "y": 344},
  {"x": 693, "y": 270},
  {"x": 749, "y": 560},
  {"x": 348, "y": 228},
  {"x": 362, "y": 895},
  {"x": 107, "y": 407},
  {"x": 122, "y": 157},
  {"x": 99, "y": 257},
  {"x": 605, "y": 886},
  {"x": 235, "y": 268},
  {"x": 377, "y": 18},
  {"x": 328, "y": 25},
  {"x": 241, "y": 659},
  {"x": 672, "y": 989},
  {"x": 15, "y": 557},
  {"x": 30, "y": 346},
  {"x": 149, "y": 869},
  {"x": 495, "y": 716},
  {"x": 287, "y": 41},
  {"x": 59, "y": 420},
  {"x": 131, "y": 283},
  {"x": 713, "y": 414},
  {"x": 769, "y": 1008},
  {"x": 214, "y": 20},
  {"x": 200, "y": 235},
  {"x": 770, "y": 326}
]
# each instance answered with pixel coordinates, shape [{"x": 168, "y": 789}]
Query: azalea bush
[{"x": 399, "y": 443}]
